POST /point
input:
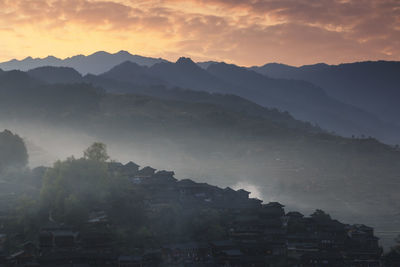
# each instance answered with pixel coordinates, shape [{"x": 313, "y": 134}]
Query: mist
[{"x": 266, "y": 179}]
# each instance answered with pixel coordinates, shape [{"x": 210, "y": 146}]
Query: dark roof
[
  {"x": 115, "y": 164},
  {"x": 274, "y": 204},
  {"x": 228, "y": 189},
  {"x": 255, "y": 200},
  {"x": 131, "y": 164},
  {"x": 148, "y": 168}
]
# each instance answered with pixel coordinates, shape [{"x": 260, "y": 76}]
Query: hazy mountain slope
[
  {"x": 134, "y": 74},
  {"x": 15, "y": 78},
  {"x": 346, "y": 177},
  {"x": 56, "y": 74},
  {"x": 96, "y": 63},
  {"x": 303, "y": 100},
  {"x": 372, "y": 86},
  {"x": 22, "y": 94},
  {"x": 187, "y": 74},
  {"x": 306, "y": 102},
  {"x": 129, "y": 76},
  {"x": 229, "y": 102}
]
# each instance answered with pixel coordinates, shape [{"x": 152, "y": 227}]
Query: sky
[{"x": 252, "y": 32}]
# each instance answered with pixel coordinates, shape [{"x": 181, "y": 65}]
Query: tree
[
  {"x": 74, "y": 187},
  {"x": 13, "y": 152},
  {"x": 96, "y": 152}
]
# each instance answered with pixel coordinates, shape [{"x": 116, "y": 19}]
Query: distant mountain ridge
[
  {"x": 373, "y": 86},
  {"x": 96, "y": 63},
  {"x": 302, "y": 99},
  {"x": 333, "y": 103}
]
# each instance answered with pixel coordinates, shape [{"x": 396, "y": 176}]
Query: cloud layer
[{"x": 246, "y": 32}]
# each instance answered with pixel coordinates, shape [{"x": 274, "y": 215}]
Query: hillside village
[{"x": 254, "y": 234}]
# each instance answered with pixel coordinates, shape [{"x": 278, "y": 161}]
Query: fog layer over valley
[{"x": 212, "y": 141}]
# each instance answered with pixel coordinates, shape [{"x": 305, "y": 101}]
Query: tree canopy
[
  {"x": 96, "y": 152},
  {"x": 13, "y": 152},
  {"x": 73, "y": 187}
]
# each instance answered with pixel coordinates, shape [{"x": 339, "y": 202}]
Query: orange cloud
[{"x": 239, "y": 31}]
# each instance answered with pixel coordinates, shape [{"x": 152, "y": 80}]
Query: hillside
[
  {"x": 372, "y": 86},
  {"x": 134, "y": 79},
  {"x": 12, "y": 151},
  {"x": 304, "y": 100},
  {"x": 296, "y": 165}
]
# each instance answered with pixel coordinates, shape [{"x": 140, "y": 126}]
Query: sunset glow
[{"x": 241, "y": 32}]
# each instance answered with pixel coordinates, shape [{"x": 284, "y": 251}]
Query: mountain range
[
  {"x": 96, "y": 63},
  {"x": 371, "y": 86},
  {"x": 340, "y": 106}
]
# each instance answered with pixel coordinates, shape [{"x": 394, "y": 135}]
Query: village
[{"x": 257, "y": 233}]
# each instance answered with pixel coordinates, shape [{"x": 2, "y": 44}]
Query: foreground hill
[
  {"x": 296, "y": 165},
  {"x": 372, "y": 86}
]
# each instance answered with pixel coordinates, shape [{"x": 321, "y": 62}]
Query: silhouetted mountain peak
[
  {"x": 185, "y": 61},
  {"x": 275, "y": 64},
  {"x": 232, "y": 69},
  {"x": 100, "y": 53},
  {"x": 123, "y": 53},
  {"x": 133, "y": 73},
  {"x": 128, "y": 67},
  {"x": 51, "y": 57}
]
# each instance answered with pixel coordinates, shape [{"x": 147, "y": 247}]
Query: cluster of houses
[{"x": 258, "y": 234}]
